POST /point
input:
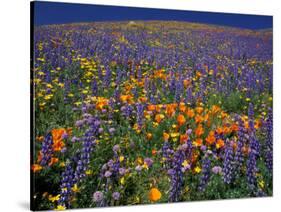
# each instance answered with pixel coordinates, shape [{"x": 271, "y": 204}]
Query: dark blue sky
[{"x": 58, "y": 13}]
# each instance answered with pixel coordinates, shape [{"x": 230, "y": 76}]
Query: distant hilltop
[{"x": 161, "y": 24}]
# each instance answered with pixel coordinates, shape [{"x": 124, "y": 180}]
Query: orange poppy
[
  {"x": 194, "y": 157},
  {"x": 159, "y": 74},
  {"x": 128, "y": 87},
  {"x": 158, "y": 108},
  {"x": 57, "y": 135},
  {"x": 53, "y": 161},
  {"x": 219, "y": 144},
  {"x": 223, "y": 115},
  {"x": 166, "y": 136},
  {"x": 140, "y": 83},
  {"x": 199, "y": 130},
  {"x": 182, "y": 107},
  {"x": 154, "y": 195},
  {"x": 199, "y": 119},
  {"x": 246, "y": 124},
  {"x": 170, "y": 110},
  {"x": 215, "y": 109},
  {"x": 40, "y": 155},
  {"x": 219, "y": 130},
  {"x": 181, "y": 119},
  {"x": 186, "y": 83},
  {"x": 101, "y": 103},
  {"x": 36, "y": 168},
  {"x": 258, "y": 124},
  {"x": 226, "y": 130},
  {"x": 198, "y": 74},
  {"x": 125, "y": 98},
  {"x": 159, "y": 118},
  {"x": 198, "y": 142},
  {"x": 199, "y": 110},
  {"x": 143, "y": 99},
  {"x": 40, "y": 138},
  {"x": 183, "y": 138},
  {"x": 148, "y": 136},
  {"x": 57, "y": 146},
  {"x": 234, "y": 127},
  {"x": 211, "y": 138},
  {"x": 151, "y": 107},
  {"x": 190, "y": 113},
  {"x": 206, "y": 117},
  {"x": 69, "y": 131}
]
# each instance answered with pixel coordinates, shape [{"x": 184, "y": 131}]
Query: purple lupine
[
  {"x": 260, "y": 193},
  {"x": 88, "y": 146},
  {"x": 228, "y": 164},
  {"x": 178, "y": 91},
  {"x": 47, "y": 150},
  {"x": 153, "y": 88},
  {"x": 140, "y": 110},
  {"x": 189, "y": 97},
  {"x": 202, "y": 89},
  {"x": 127, "y": 110},
  {"x": 206, "y": 173},
  {"x": 111, "y": 103},
  {"x": 166, "y": 153},
  {"x": 242, "y": 131},
  {"x": 152, "y": 99},
  {"x": 252, "y": 170},
  {"x": 189, "y": 148},
  {"x": 176, "y": 176},
  {"x": 251, "y": 116},
  {"x": 115, "y": 166},
  {"x": 172, "y": 85},
  {"x": 269, "y": 143},
  {"x": 107, "y": 78},
  {"x": 238, "y": 158},
  {"x": 82, "y": 160},
  {"x": 116, "y": 94},
  {"x": 254, "y": 144},
  {"x": 146, "y": 83},
  {"x": 94, "y": 87},
  {"x": 135, "y": 93},
  {"x": 67, "y": 182},
  {"x": 249, "y": 83},
  {"x": 119, "y": 76}
]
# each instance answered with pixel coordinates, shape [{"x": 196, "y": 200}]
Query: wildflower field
[{"x": 143, "y": 112}]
